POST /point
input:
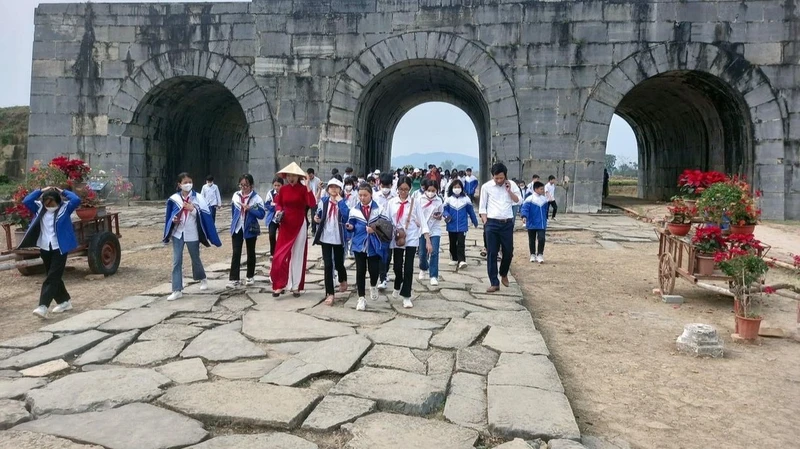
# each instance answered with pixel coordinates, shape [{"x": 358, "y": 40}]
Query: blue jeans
[
  {"x": 198, "y": 274},
  {"x": 432, "y": 265},
  {"x": 499, "y": 235}
]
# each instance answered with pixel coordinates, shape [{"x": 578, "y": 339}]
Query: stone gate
[{"x": 230, "y": 87}]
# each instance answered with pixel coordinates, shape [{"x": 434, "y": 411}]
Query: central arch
[{"x": 401, "y": 72}]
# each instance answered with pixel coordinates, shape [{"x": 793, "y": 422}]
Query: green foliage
[
  {"x": 610, "y": 162},
  {"x": 14, "y": 125},
  {"x": 447, "y": 164},
  {"x": 717, "y": 199}
]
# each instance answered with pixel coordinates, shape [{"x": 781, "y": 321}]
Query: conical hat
[{"x": 292, "y": 169}]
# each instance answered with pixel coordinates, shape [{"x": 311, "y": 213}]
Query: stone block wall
[{"x": 545, "y": 78}]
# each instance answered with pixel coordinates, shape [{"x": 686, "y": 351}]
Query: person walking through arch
[
  {"x": 497, "y": 199},
  {"x": 432, "y": 207},
  {"x": 247, "y": 208},
  {"x": 210, "y": 192},
  {"x": 331, "y": 217},
  {"x": 458, "y": 211},
  {"x": 288, "y": 269},
  {"x": 367, "y": 246}
]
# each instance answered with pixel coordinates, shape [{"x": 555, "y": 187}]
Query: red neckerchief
[
  {"x": 331, "y": 209},
  {"x": 401, "y": 210},
  {"x": 365, "y": 209},
  {"x": 244, "y": 211},
  {"x": 185, "y": 211}
]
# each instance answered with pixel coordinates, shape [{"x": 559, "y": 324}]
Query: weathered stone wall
[{"x": 324, "y": 82}]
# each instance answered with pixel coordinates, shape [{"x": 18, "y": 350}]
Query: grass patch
[{"x": 620, "y": 181}]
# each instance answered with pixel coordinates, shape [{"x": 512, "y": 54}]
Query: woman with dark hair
[
  {"x": 247, "y": 208},
  {"x": 368, "y": 248},
  {"x": 51, "y": 231},
  {"x": 188, "y": 223},
  {"x": 289, "y": 259},
  {"x": 458, "y": 212},
  {"x": 432, "y": 208},
  {"x": 410, "y": 223},
  {"x": 269, "y": 206}
]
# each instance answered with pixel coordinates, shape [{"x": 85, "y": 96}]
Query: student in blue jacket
[
  {"x": 247, "y": 208},
  {"x": 51, "y": 231},
  {"x": 368, "y": 249},
  {"x": 188, "y": 223},
  {"x": 458, "y": 211},
  {"x": 269, "y": 206},
  {"x": 534, "y": 217},
  {"x": 331, "y": 217}
]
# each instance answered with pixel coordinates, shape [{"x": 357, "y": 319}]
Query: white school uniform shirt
[
  {"x": 330, "y": 232},
  {"x": 417, "y": 225},
  {"x": 47, "y": 231},
  {"x": 353, "y": 200},
  {"x": 252, "y": 199},
  {"x": 211, "y": 195},
  {"x": 382, "y": 199},
  {"x": 495, "y": 201},
  {"x": 429, "y": 207},
  {"x": 314, "y": 183},
  {"x": 550, "y": 191},
  {"x": 187, "y": 226}
]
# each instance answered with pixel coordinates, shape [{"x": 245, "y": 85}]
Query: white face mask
[
  {"x": 430, "y": 194},
  {"x": 187, "y": 187},
  {"x": 456, "y": 191},
  {"x": 52, "y": 209},
  {"x": 360, "y": 180},
  {"x": 386, "y": 190},
  {"x": 348, "y": 189}
]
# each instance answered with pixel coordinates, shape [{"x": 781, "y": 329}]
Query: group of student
[{"x": 383, "y": 218}]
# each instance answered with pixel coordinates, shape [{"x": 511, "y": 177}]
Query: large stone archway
[
  {"x": 691, "y": 105},
  {"x": 192, "y": 111},
  {"x": 401, "y": 72}
]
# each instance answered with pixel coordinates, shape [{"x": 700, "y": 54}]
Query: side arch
[
  {"x": 454, "y": 70},
  {"x": 169, "y": 75},
  {"x": 715, "y": 72}
]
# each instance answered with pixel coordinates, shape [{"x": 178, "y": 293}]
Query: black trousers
[
  {"x": 364, "y": 263},
  {"x": 404, "y": 269},
  {"x": 457, "y": 246},
  {"x": 333, "y": 257},
  {"x": 213, "y": 213},
  {"x": 236, "y": 258},
  {"x": 384, "y": 267},
  {"x": 273, "y": 236},
  {"x": 53, "y": 287},
  {"x": 536, "y": 236},
  {"x": 553, "y": 207}
]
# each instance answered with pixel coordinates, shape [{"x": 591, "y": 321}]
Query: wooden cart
[
  {"x": 676, "y": 257},
  {"x": 98, "y": 240}
]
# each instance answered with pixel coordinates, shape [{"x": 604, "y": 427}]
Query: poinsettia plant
[
  {"x": 680, "y": 212},
  {"x": 744, "y": 211},
  {"x": 708, "y": 239},
  {"x": 740, "y": 260},
  {"x": 694, "y": 182}
]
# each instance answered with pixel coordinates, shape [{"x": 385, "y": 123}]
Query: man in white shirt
[
  {"x": 211, "y": 194},
  {"x": 534, "y": 178},
  {"x": 497, "y": 199},
  {"x": 550, "y": 193}
]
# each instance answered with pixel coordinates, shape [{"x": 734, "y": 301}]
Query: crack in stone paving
[{"x": 293, "y": 369}]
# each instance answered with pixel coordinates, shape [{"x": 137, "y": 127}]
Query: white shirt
[
  {"x": 47, "y": 233},
  {"x": 530, "y": 186},
  {"x": 187, "y": 226},
  {"x": 429, "y": 207},
  {"x": 382, "y": 199},
  {"x": 550, "y": 191},
  {"x": 352, "y": 199},
  {"x": 496, "y": 202},
  {"x": 211, "y": 194},
  {"x": 330, "y": 233},
  {"x": 253, "y": 199},
  {"x": 417, "y": 225},
  {"x": 314, "y": 183}
]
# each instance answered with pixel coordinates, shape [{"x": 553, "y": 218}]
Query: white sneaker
[
  {"x": 533, "y": 258},
  {"x": 249, "y": 281},
  {"x": 540, "y": 258},
  {"x": 382, "y": 285},
  {"x": 232, "y": 284},
  {"x": 434, "y": 281},
  {"x": 362, "y": 304},
  {"x": 204, "y": 285},
  {"x": 63, "y": 307},
  {"x": 40, "y": 311},
  {"x": 453, "y": 263},
  {"x": 423, "y": 275},
  {"x": 174, "y": 296},
  {"x": 396, "y": 294},
  {"x": 407, "y": 304},
  {"x": 462, "y": 265},
  {"x": 373, "y": 293}
]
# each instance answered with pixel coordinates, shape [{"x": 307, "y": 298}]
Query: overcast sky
[{"x": 428, "y": 127}]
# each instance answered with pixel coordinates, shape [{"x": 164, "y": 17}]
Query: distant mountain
[{"x": 424, "y": 159}]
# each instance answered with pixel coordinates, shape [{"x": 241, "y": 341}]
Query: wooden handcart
[{"x": 98, "y": 240}]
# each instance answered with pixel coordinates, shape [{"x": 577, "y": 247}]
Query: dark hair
[
  {"x": 335, "y": 171},
  {"x": 535, "y": 177},
  {"x": 210, "y": 178},
  {"x": 181, "y": 176},
  {"x": 365, "y": 186},
  {"x": 337, "y": 176},
  {"x": 499, "y": 168},
  {"x": 348, "y": 170},
  {"x": 430, "y": 166},
  {"x": 310, "y": 171},
  {"x": 51, "y": 194},
  {"x": 461, "y": 173},
  {"x": 452, "y": 184},
  {"x": 386, "y": 179},
  {"x": 469, "y": 169},
  {"x": 278, "y": 179},
  {"x": 405, "y": 180},
  {"x": 428, "y": 183},
  {"x": 537, "y": 185},
  {"x": 447, "y": 173},
  {"x": 551, "y": 177},
  {"x": 350, "y": 180},
  {"x": 247, "y": 177}
]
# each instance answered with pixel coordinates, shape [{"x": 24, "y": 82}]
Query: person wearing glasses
[{"x": 247, "y": 208}]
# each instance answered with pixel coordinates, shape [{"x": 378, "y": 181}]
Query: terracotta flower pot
[
  {"x": 705, "y": 265},
  {"x": 748, "y": 327},
  {"x": 744, "y": 229},
  {"x": 86, "y": 213},
  {"x": 679, "y": 229}
]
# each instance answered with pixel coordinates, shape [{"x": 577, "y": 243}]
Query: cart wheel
[
  {"x": 29, "y": 271},
  {"x": 104, "y": 253},
  {"x": 666, "y": 273}
]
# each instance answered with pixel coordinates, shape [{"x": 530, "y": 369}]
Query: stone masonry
[{"x": 155, "y": 89}]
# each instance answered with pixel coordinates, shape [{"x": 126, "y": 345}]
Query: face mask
[
  {"x": 386, "y": 190},
  {"x": 348, "y": 189},
  {"x": 430, "y": 194},
  {"x": 187, "y": 187},
  {"x": 52, "y": 209},
  {"x": 360, "y": 180},
  {"x": 456, "y": 191}
]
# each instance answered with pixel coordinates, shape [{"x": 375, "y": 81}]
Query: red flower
[{"x": 768, "y": 290}]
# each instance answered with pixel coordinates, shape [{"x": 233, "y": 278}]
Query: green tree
[
  {"x": 447, "y": 165},
  {"x": 460, "y": 167},
  {"x": 611, "y": 163}
]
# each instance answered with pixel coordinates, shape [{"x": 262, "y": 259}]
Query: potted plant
[
  {"x": 89, "y": 203},
  {"x": 680, "y": 219},
  {"x": 745, "y": 267},
  {"x": 717, "y": 201},
  {"x": 36, "y": 177},
  {"x": 744, "y": 214},
  {"x": 693, "y": 183},
  {"x": 707, "y": 240}
]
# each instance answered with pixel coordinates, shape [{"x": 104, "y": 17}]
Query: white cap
[
  {"x": 416, "y": 170},
  {"x": 335, "y": 182},
  {"x": 377, "y": 172}
]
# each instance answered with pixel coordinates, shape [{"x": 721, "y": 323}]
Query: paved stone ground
[{"x": 459, "y": 369}]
